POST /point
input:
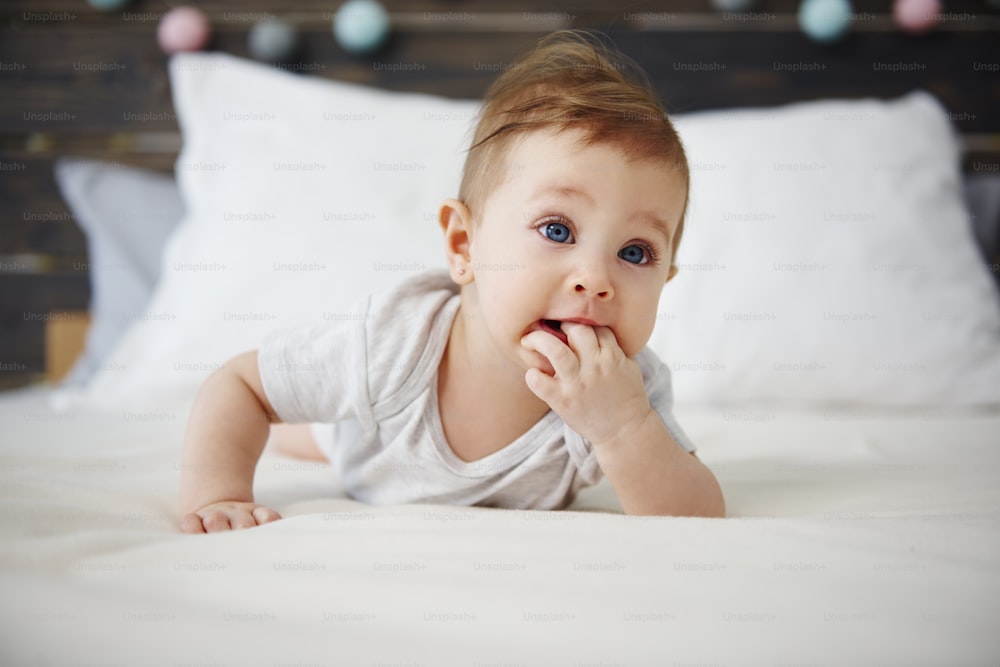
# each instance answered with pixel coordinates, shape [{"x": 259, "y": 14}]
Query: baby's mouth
[{"x": 554, "y": 327}]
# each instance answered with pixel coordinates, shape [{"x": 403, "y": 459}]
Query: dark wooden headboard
[{"x": 75, "y": 81}]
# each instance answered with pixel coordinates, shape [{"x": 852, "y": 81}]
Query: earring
[{"x": 461, "y": 272}]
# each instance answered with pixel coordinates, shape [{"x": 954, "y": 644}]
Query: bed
[
  {"x": 834, "y": 337},
  {"x": 865, "y": 538}
]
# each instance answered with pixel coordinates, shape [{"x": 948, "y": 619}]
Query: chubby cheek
[
  {"x": 636, "y": 328},
  {"x": 501, "y": 290},
  {"x": 503, "y": 280},
  {"x": 501, "y": 285}
]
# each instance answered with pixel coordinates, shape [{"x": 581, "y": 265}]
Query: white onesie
[{"x": 371, "y": 381}]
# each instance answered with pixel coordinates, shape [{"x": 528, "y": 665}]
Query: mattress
[{"x": 857, "y": 538}]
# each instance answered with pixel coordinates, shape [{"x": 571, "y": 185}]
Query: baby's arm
[{"x": 226, "y": 434}]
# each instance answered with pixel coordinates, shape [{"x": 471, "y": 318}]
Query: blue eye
[
  {"x": 634, "y": 254},
  {"x": 557, "y": 231}
]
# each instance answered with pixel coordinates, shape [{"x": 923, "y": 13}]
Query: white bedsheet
[{"x": 857, "y": 538}]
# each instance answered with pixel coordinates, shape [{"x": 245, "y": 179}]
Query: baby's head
[
  {"x": 570, "y": 81},
  {"x": 572, "y": 200}
]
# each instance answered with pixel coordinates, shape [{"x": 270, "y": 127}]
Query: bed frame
[{"x": 84, "y": 83}]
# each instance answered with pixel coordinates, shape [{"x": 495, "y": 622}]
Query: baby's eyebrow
[
  {"x": 563, "y": 191},
  {"x": 653, "y": 221}
]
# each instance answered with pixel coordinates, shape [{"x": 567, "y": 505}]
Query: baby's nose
[
  {"x": 602, "y": 294},
  {"x": 593, "y": 281}
]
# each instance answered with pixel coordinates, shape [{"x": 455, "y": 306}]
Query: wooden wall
[{"x": 74, "y": 81}]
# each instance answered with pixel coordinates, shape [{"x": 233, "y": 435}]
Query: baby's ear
[
  {"x": 453, "y": 211},
  {"x": 672, "y": 272},
  {"x": 456, "y": 223}
]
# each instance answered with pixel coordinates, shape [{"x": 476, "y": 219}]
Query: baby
[{"x": 519, "y": 375}]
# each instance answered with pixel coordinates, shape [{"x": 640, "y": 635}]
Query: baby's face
[{"x": 576, "y": 233}]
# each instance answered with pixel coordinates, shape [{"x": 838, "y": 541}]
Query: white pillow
[
  {"x": 828, "y": 258},
  {"x": 127, "y": 214},
  {"x": 303, "y": 195}
]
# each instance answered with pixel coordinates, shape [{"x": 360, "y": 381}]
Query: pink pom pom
[
  {"x": 916, "y": 16},
  {"x": 183, "y": 29}
]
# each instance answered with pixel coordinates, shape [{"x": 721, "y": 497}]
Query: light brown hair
[{"x": 570, "y": 80}]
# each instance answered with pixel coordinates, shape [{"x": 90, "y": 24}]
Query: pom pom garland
[{"x": 362, "y": 26}]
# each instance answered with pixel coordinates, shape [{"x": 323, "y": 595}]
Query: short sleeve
[
  {"x": 371, "y": 362},
  {"x": 315, "y": 373}
]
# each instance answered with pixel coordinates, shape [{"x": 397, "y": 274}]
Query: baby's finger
[
  {"x": 541, "y": 385},
  {"x": 606, "y": 339},
  {"x": 265, "y": 515},
  {"x": 240, "y": 519},
  {"x": 563, "y": 360},
  {"x": 191, "y": 523},
  {"x": 215, "y": 521},
  {"x": 582, "y": 338}
]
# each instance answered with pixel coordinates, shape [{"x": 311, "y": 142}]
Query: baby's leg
[{"x": 295, "y": 440}]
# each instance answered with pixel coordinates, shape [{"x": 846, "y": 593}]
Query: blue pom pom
[
  {"x": 273, "y": 40},
  {"x": 107, "y": 5},
  {"x": 361, "y": 26},
  {"x": 825, "y": 20}
]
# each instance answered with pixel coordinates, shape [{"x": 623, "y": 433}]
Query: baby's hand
[
  {"x": 596, "y": 389},
  {"x": 227, "y": 515}
]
